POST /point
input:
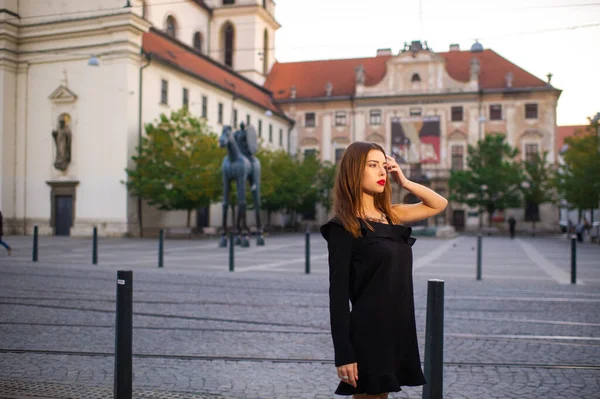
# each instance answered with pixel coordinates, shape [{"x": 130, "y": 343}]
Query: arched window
[
  {"x": 171, "y": 27},
  {"x": 415, "y": 78},
  {"x": 228, "y": 37},
  {"x": 266, "y": 53},
  {"x": 198, "y": 42}
]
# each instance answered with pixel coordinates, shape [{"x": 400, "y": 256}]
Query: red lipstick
[{"x": 381, "y": 182}]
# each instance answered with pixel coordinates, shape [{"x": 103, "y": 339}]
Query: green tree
[
  {"x": 276, "y": 168},
  {"x": 577, "y": 178},
  {"x": 537, "y": 187},
  {"x": 492, "y": 181},
  {"x": 178, "y": 167},
  {"x": 325, "y": 180}
]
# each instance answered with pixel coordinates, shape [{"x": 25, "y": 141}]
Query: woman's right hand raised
[{"x": 348, "y": 373}]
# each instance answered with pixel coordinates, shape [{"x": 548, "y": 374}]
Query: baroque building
[{"x": 422, "y": 106}]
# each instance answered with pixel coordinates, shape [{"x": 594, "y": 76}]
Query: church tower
[{"x": 242, "y": 36}]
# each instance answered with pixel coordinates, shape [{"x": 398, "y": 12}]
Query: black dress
[{"x": 374, "y": 272}]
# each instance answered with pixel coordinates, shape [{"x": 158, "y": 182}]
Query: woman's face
[{"x": 374, "y": 176}]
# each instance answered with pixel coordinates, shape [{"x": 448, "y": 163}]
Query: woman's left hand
[{"x": 393, "y": 169}]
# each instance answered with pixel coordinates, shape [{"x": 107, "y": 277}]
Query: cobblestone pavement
[{"x": 263, "y": 331}]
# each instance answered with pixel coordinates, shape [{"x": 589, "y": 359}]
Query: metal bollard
[
  {"x": 434, "y": 341},
  {"x": 123, "y": 335},
  {"x": 231, "y": 245},
  {"x": 35, "y": 244},
  {"x": 573, "y": 260},
  {"x": 161, "y": 244},
  {"x": 95, "y": 246},
  {"x": 307, "y": 266},
  {"x": 479, "y": 239}
]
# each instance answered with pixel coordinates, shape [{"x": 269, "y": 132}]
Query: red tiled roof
[
  {"x": 562, "y": 132},
  {"x": 311, "y": 77},
  {"x": 179, "y": 56}
]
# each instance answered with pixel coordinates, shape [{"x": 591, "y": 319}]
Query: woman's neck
[{"x": 368, "y": 205}]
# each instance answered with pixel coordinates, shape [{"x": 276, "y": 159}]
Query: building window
[
  {"x": 310, "y": 153},
  {"x": 198, "y": 42},
  {"x": 457, "y": 114},
  {"x": 220, "y": 117},
  {"x": 281, "y": 137},
  {"x": 415, "y": 78},
  {"x": 235, "y": 118},
  {"x": 164, "y": 92},
  {"x": 340, "y": 118},
  {"x": 495, "y": 112},
  {"x": 264, "y": 3},
  {"x": 415, "y": 112},
  {"x": 270, "y": 133},
  {"x": 375, "y": 117},
  {"x": 186, "y": 98},
  {"x": 171, "y": 27},
  {"x": 247, "y": 120},
  {"x": 204, "y": 107},
  {"x": 531, "y": 152},
  {"x": 457, "y": 157},
  {"x": 531, "y": 111},
  {"x": 309, "y": 119},
  {"x": 228, "y": 36},
  {"x": 339, "y": 153},
  {"x": 227, "y": 2},
  {"x": 259, "y": 128}
]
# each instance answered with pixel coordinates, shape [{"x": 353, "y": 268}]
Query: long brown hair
[{"x": 347, "y": 189}]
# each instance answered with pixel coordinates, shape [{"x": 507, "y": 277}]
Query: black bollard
[
  {"x": 434, "y": 341},
  {"x": 123, "y": 335},
  {"x": 231, "y": 245},
  {"x": 307, "y": 266},
  {"x": 161, "y": 244},
  {"x": 95, "y": 247},
  {"x": 479, "y": 256},
  {"x": 573, "y": 260},
  {"x": 35, "y": 244}
]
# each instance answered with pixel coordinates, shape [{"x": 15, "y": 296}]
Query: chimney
[
  {"x": 454, "y": 47},
  {"x": 384, "y": 51},
  {"x": 509, "y": 79},
  {"x": 329, "y": 89}
]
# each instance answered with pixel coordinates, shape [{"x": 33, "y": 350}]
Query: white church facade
[{"x": 103, "y": 70}]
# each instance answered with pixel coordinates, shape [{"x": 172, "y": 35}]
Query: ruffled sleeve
[{"x": 339, "y": 246}]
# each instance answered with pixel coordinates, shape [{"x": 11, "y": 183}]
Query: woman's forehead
[{"x": 376, "y": 155}]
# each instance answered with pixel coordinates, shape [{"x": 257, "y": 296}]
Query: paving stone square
[{"x": 262, "y": 331}]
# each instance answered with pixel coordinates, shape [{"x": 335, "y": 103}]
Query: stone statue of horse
[{"x": 240, "y": 168}]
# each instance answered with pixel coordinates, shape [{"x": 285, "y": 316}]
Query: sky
[{"x": 541, "y": 36}]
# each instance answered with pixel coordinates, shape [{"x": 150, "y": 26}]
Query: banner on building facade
[{"x": 416, "y": 140}]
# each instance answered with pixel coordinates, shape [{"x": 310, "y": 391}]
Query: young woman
[{"x": 370, "y": 265}]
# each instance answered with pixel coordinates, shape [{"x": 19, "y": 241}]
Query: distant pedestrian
[
  {"x": 370, "y": 264},
  {"x": 512, "y": 224},
  {"x": 5, "y": 245},
  {"x": 579, "y": 229}
]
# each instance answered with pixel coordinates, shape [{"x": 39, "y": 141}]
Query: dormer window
[{"x": 415, "y": 78}]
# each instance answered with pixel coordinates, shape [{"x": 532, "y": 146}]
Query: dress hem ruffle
[{"x": 374, "y": 385}]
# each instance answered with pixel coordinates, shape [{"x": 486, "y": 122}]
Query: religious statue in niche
[{"x": 62, "y": 139}]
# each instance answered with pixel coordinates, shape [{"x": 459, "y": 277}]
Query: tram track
[{"x": 286, "y": 360}]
